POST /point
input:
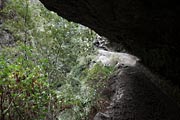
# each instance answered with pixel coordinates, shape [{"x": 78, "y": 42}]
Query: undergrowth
[{"x": 46, "y": 74}]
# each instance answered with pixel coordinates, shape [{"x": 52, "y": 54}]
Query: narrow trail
[{"x": 133, "y": 96}]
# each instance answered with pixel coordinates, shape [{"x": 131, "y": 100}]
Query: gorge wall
[{"x": 148, "y": 29}]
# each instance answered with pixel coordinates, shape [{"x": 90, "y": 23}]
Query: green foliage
[
  {"x": 24, "y": 90},
  {"x": 82, "y": 85},
  {"x": 47, "y": 75}
]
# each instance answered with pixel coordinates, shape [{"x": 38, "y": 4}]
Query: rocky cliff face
[
  {"x": 6, "y": 37},
  {"x": 133, "y": 97},
  {"x": 148, "y": 29}
]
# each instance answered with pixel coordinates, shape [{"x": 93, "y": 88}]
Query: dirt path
[{"x": 135, "y": 97}]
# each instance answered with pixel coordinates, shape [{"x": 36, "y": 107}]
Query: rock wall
[
  {"x": 133, "y": 96},
  {"x": 148, "y": 29},
  {"x": 6, "y": 37}
]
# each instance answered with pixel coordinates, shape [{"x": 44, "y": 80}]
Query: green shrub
[{"x": 24, "y": 89}]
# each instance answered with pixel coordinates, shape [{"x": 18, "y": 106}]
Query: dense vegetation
[{"x": 45, "y": 73}]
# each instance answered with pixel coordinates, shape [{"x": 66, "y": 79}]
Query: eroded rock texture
[
  {"x": 148, "y": 29},
  {"x": 135, "y": 97}
]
